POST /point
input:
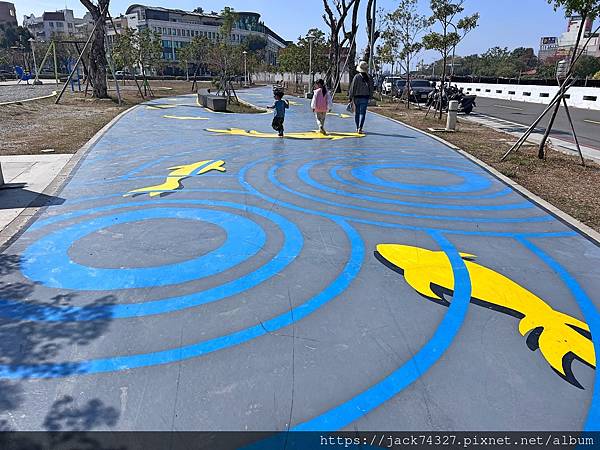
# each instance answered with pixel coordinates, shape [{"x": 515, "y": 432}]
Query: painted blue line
[
  {"x": 251, "y": 189},
  {"x": 46, "y": 261},
  {"x": 273, "y": 178},
  {"x": 119, "y": 363},
  {"x": 334, "y": 173},
  {"x": 413, "y": 369},
  {"x": 304, "y": 175},
  {"x": 590, "y": 313},
  {"x": 292, "y": 245}
]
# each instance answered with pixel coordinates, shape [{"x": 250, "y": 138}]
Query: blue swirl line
[
  {"x": 304, "y": 175},
  {"x": 333, "y": 172},
  {"x": 103, "y": 365},
  {"x": 292, "y": 245},
  {"x": 423, "y": 360},
  {"x": 273, "y": 178},
  {"x": 590, "y": 313}
]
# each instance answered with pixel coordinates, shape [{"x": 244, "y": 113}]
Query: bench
[{"x": 213, "y": 102}]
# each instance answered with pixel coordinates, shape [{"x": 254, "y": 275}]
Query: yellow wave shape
[
  {"x": 343, "y": 116},
  {"x": 559, "y": 337},
  {"x": 168, "y": 116},
  {"x": 178, "y": 174},
  {"x": 161, "y": 106},
  {"x": 333, "y": 136}
]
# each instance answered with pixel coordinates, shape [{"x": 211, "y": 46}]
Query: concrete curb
[
  {"x": 18, "y": 226},
  {"x": 587, "y": 232},
  {"x": 16, "y": 102}
]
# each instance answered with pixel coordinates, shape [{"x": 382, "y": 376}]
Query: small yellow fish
[
  {"x": 343, "y": 116},
  {"x": 559, "y": 337},
  {"x": 333, "y": 136},
  {"x": 158, "y": 106},
  {"x": 177, "y": 174},
  {"x": 168, "y": 116},
  {"x": 293, "y": 103}
]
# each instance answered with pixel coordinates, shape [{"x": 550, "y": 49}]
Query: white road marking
[
  {"x": 508, "y": 107},
  {"x": 595, "y": 122}
]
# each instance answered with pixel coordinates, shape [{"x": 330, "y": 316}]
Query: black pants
[{"x": 278, "y": 124}]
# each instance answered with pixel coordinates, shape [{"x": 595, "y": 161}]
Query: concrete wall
[
  {"x": 291, "y": 77},
  {"x": 580, "y": 97}
]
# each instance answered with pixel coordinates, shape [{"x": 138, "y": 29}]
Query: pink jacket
[{"x": 321, "y": 103}]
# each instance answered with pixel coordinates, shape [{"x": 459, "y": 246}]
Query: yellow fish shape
[
  {"x": 333, "y": 136},
  {"x": 343, "y": 116},
  {"x": 559, "y": 337},
  {"x": 293, "y": 103},
  {"x": 159, "y": 106},
  {"x": 168, "y": 116},
  {"x": 177, "y": 174}
]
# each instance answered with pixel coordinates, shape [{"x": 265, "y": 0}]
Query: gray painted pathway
[{"x": 252, "y": 299}]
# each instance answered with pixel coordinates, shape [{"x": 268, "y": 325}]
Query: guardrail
[{"x": 577, "y": 97}]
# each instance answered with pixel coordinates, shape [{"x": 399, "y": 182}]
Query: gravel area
[{"x": 23, "y": 91}]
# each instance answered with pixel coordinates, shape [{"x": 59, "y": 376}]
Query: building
[
  {"x": 177, "y": 28},
  {"x": 61, "y": 24},
  {"x": 8, "y": 14},
  {"x": 563, "y": 45}
]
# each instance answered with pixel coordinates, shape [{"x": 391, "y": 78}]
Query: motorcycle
[{"x": 466, "y": 103}]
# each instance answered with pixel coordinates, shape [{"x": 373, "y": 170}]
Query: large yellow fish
[
  {"x": 559, "y": 337},
  {"x": 334, "y": 136},
  {"x": 179, "y": 173}
]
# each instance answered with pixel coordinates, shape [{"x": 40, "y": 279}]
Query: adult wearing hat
[{"x": 360, "y": 92}]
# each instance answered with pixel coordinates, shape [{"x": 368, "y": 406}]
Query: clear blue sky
[{"x": 505, "y": 23}]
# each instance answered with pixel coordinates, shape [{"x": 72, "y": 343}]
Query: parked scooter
[{"x": 466, "y": 103}]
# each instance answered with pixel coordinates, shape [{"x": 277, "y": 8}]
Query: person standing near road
[
  {"x": 321, "y": 104},
  {"x": 360, "y": 92}
]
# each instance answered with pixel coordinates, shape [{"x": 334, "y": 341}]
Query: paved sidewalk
[
  {"x": 203, "y": 274},
  {"x": 25, "y": 178}
]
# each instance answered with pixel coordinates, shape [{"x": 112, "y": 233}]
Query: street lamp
[
  {"x": 32, "y": 43},
  {"x": 310, "y": 67},
  {"x": 245, "y": 68}
]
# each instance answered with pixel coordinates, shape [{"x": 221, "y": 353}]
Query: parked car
[
  {"x": 420, "y": 90},
  {"x": 389, "y": 84},
  {"x": 7, "y": 75}
]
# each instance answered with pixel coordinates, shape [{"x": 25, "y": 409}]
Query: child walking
[
  {"x": 321, "y": 104},
  {"x": 279, "y": 108}
]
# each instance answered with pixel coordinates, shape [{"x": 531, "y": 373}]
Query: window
[
  {"x": 70, "y": 25},
  {"x": 477, "y": 90},
  {"x": 51, "y": 24},
  {"x": 567, "y": 96},
  {"x": 526, "y": 94},
  {"x": 590, "y": 98},
  {"x": 498, "y": 91},
  {"x": 544, "y": 95},
  {"x": 178, "y": 32},
  {"x": 488, "y": 90},
  {"x": 511, "y": 92}
]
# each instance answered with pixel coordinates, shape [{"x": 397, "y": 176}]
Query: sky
[{"x": 504, "y": 23}]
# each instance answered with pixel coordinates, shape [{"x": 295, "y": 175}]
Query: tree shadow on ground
[{"x": 30, "y": 348}]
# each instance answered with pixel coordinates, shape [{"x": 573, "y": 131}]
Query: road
[
  {"x": 350, "y": 283},
  {"x": 587, "y": 122}
]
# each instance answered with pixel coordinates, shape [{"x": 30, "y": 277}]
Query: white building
[
  {"x": 62, "y": 24},
  {"x": 177, "y": 28},
  {"x": 562, "y": 46}
]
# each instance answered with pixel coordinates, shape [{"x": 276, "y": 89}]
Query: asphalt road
[
  {"x": 587, "y": 122},
  {"x": 197, "y": 272}
]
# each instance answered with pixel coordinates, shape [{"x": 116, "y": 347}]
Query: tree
[
  {"x": 587, "y": 10},
  {"x": 97, "y": 61},
  {"x": 587, "y": 66},
  {"x": 597, "y": 76},
  {"x": 14, "y": 37},
  {"x": 335, "y": 20},
  {"x": 124, "y": 52},
  {"x": 372, "y": 31},
  {"x": 405, "y": 24},
  {"x": 445, "y": 13}
]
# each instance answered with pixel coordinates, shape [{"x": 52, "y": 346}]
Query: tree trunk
[
  {"x": 97, "y": 56},
  {"x": 542, "y": 147}
]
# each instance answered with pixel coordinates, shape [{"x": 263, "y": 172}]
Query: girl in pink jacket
[{"x": 321, "y": 104}]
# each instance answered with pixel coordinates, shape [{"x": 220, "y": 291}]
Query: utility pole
[
  {"x": 245, "y": 68},
  {"x": 310, "y": 69}
]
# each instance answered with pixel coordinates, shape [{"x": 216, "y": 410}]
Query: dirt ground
[
  {"x": 39, "y": 126},
  {"x": 559, "y": 179}
]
